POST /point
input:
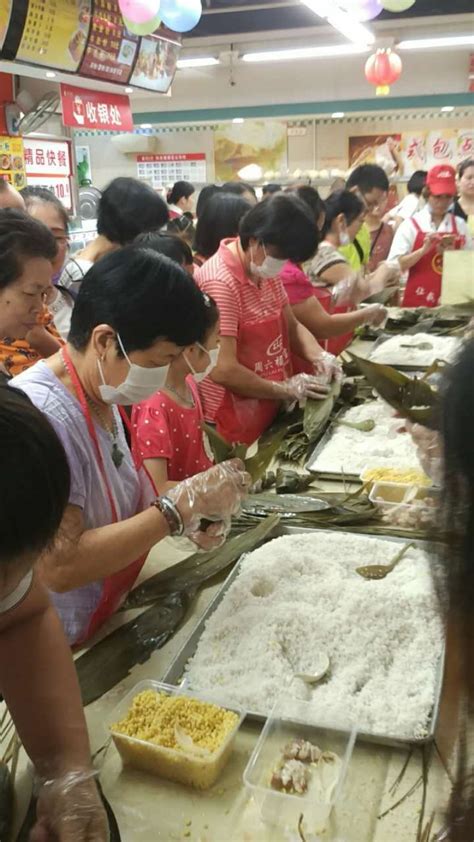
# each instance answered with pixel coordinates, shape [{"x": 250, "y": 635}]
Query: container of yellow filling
[{"x": 174, "y": 734}]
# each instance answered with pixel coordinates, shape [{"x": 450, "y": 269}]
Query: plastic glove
[
  {"x": 429, "y": 449},
  {"x": 214, "y": 495},
  {"x": 70, "y": 810},
  {"x": 327, "y": 368},
  {"x": 375, "y": 315},
  {"x": 305, "y": 386}
]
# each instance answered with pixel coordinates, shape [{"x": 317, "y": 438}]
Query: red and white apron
[
  {"x": 117, "y": 586},
  {"x": 423, "y": 287},
  {"x": 263, "y": 347}
]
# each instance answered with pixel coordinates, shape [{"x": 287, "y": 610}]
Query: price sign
[
  {"x": 55, "y": 33},
  {"x": 161, "y": 170},
  {"x": 111, "y": 48},
  {"x": 48, "y": 164}
]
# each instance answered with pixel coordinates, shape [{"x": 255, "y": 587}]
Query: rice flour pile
[
  {"x": 394, "y": 352},
  {"x": 300, "y": 595},
  {"x": 350, "y": 451}
]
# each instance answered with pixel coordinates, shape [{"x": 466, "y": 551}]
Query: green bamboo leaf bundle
[
  {"x": 413, "y": 398},
  {"x": 268, "y": 446},
  {"x": 317, "y": 413}
]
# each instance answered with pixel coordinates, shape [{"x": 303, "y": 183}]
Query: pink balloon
[
  {"x": 363, "y": 9},
  {"x": 139, "y": 11}
]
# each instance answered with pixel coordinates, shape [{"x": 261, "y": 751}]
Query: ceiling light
[
  {"x": 203, "y": 61},
  {"x": 145, "y": 126},
  {"x": 238, "y": 120},
  {"x": 50, "y": 74},
  {"x": 337, "y": 115},
  {"x": 341, "y": 20},
  {"x": 307, "y": 52},
  {"x": 447, "y": 108},
  {"x": 129, "y": 90},
  {"x": 427, "y": 43}
]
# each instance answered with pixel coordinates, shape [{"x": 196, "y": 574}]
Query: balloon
[
  {"x": 139, "y": 11},
  {"x": 363, "y": 9},
  {"x": 397, "y": 5},
  {"x": 143, "y": 28},
  {"x": 180, "y": 15}
]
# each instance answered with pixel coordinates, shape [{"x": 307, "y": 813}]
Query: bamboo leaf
[
  {"x": 221, "y": 448},
  {"x": 317, "y": 413}
]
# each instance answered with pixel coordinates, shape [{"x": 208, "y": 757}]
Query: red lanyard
[{"x": 90, "y": 426}]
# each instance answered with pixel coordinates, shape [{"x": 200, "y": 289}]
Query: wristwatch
[{"x": 171, "y": 515}]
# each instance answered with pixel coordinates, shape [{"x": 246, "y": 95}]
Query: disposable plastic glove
[{"x": 70, "y": 810}]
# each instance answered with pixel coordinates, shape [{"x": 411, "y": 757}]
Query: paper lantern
[
  {"x": 143, "y": 28},
  {"x": 139, "y": 11},
  {"x": 397, "y": 5},
  {"x": 180, "y": 15},
  {"x": 362, "y": 9},
  {"x": 382, "y": 69}
]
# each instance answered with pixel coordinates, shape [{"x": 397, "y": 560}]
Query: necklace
[
  {"x": 110, "y": 429},
  {"x": 187, "y": 401}
]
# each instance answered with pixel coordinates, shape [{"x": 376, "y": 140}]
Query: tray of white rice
[
  {"x": 414, "y": 352},
  {"x": 344, "y": 451},
  {"x": 299, "y": 597}
]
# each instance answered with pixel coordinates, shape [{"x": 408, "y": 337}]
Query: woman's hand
[
  {"x": 327, "y": 368},
  {"x": 304, "y": 386},
  {"x": 429, "y": 449},
  {"x": 375, "y": 315},
  {"x": 70, "y": 810},
  {"x": 214, "y": 495}
]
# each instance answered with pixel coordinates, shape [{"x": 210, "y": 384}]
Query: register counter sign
[{"x": 84, "y": 109}]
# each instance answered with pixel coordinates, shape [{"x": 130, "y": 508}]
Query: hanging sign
[
  {"x": 84, "y": 109},
  {"x": 55, "y": 33},
  {"x": 5, "y": 13},
  {"x": 111, "y": 48},
  {"x": 12, "y": 162}
]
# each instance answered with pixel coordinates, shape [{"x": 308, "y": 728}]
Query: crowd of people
[{"x": 226, "y": 310}]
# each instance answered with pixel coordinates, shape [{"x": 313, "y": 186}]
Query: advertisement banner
[
  {"x": 111, "y": 48},
  {"x": 84, "y": 109},
  {"x": 381, "y": 149},
  {"x": 47, "y": 157},
  {"x": 253, "y": 142},
  {"x": 441, "y": 147},
  {"x": 156, "y": 64},
  {"x": 414, "y": 152},
  {"x": 55, "y": 33},
  {"x": 12, "y": 162}
]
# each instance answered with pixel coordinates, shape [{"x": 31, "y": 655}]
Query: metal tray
[
  {"x": 175, "y": 673},
  {"x": 323, "y": 441},
  {"x": 407, "y": 369}
]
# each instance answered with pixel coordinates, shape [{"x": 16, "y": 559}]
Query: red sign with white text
[
  {"x": 174, "y": 156},
  {"x": 84, "y": 109}
]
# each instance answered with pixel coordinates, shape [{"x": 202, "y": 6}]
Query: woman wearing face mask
[
  {"x": 258, "y": 331},
  {"x": 420, "y": 242},
  {"x": 335, "y": 283},
  {"x": 167, "y": 436},
  {"x": 135, "y": 313}
]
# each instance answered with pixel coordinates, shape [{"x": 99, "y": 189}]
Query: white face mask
[
  {"x": 201, "y": 375},
  {"x": 140, "y": 383},
  {"x": 270, "y": 268}
]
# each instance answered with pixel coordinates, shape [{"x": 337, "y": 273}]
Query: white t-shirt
[
  {"x": 73, "y": 273},
  {"x": 16, "y": 596},
  {"x": 405, "y": 236}
]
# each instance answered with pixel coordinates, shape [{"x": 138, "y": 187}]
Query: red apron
[
  {"x": 115, "y": 587},
  {"x": 336, "y": 344},
  {"x": 264, "y": 348},
  {"x": 423, "y": 287}
]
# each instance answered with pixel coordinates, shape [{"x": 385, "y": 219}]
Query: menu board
[
  {"x": 55, "y": 33},
  {"x": 156, "y": 64},
  {"x": 5, "y": 12},
  {"x": 163, "y": 170},
  {"x": 111, "y": 48},
  {"x": 12, "y": 162}
]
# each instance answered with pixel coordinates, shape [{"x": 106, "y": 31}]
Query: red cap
[{"x": 442, "y": 180}]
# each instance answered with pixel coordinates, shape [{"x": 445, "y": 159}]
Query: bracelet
[{"x": 171, "y": 515}]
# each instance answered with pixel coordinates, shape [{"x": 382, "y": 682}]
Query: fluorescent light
[
  {"x": 238, "y": 120},
  {"x": 447, "y": 108},
  {"x": 337, "y": 115},
  {"x": 427, "y": 43},
  {"x": 345, "y": 23},
  {"x": 203, "y": 61},
  {"x": 307, "y": 52},
  {"x": 145, "y": 126},
  {"x": 129, "y": 90},
  {"x": 50, "y": 75}
]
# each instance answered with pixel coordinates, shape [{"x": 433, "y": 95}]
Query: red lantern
[{"x": 382, "y": 69}]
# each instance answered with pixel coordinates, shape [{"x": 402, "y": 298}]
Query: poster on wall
[
  {"x": 48, "y": 164},
  {"x": 253, "y": 142},
  {"x": 55, "y": 33},
  {"x": 465, "y": 144},
  {"x": 381, "y": 149},
  {"x": 413, "y": 152},
  {"x": 12, "y": 162},
  {"x": 162, "y": 171},
  {"x": 156, "y": 64},
  {"x": 441, "y": 147},
  {"x": 5, "y": 13},
  {"x": 111, "y": 48}
]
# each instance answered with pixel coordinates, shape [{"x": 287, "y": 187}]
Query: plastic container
[
  {"x": 196, "y": 770},
  {"x": 388, "y": 495},
  {"x": 283, "y": 809}
]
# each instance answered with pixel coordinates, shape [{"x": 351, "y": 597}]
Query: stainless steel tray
[
  {"x": 323, "y": 441},
  {"x": 175, "y": 674}
]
